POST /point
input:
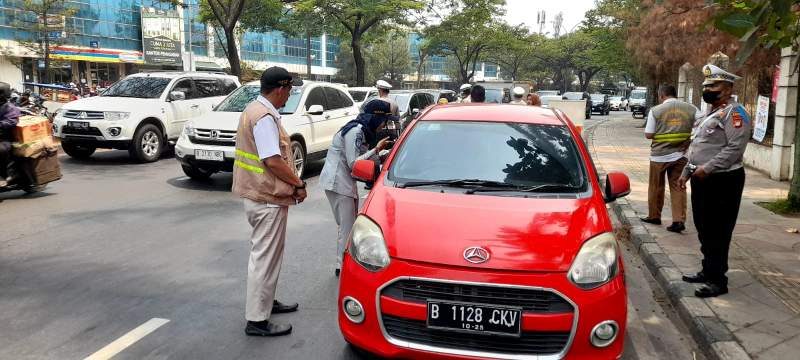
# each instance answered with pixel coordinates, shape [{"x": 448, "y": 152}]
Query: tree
[
  {"x": 423, "y": 52},
  {"x": 357, "y": 17},
  {"x": 305, "y": 22},
  {"x": 390, "y": 58},
  {"x": 768, "y": 24},
  {"x": 44, "y": 24},
  {"x": 466, "y": 33},
  {"x": 517, "y": 46}
]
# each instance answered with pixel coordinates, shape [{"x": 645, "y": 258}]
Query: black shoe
[
  {"x": 676, "y": 227},
  {"x": 337, "y": 271},
  {"x": 266, "y": 328},
  {"x": 710, "y": 290},
  {"x": 281, "y": 308},
  {"x": 698, "y": 278},
  {"x": 651, "y": 221}
]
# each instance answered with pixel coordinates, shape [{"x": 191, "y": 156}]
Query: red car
[{"x": 485, "y": 235}]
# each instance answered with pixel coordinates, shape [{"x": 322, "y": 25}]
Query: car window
[
  {"x": 358, "y": 95},
  {"x": 238, "y": 100},
  {"x": 227, "y": 86},
  {"x": 599, "y": 98},
  {"x": 519, "y": 154},
  {"x": 429, "y": 100},
  {"x": 185, "y": 85},
  {"x": 343, "y": 98},
  {"x": 573, "y": 96},
  {"x": 207, "y": 88},
  {"x": 143, "y": 87},
  {"x": 317, "y": 97},
  {"x": 494, "y": 96},
  {"x": 414, "y": 103},
  {"x": 401, "y": 100}
]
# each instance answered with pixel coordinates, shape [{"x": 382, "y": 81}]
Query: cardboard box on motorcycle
[
  {"x": 34, "y": 143},
  {"x": 32, "y": 128}
]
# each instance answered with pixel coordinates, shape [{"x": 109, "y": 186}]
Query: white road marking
[{"x": 127, "y": 340}]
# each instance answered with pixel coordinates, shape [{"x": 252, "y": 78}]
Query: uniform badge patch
[{"x": 739, "y": 117}]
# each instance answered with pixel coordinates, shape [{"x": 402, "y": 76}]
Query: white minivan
[
  {"x": 140, "y": 113},
  {"x": 313, "y": 114}
]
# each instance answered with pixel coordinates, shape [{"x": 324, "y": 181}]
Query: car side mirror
[
  {"x": 177, "y": 96},
  {"x": 365, "y": 171},
  {"x": 617, "y": 185},
  {"x": 315, "y": 110}
]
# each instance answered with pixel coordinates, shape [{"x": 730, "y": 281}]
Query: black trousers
[
  {"x": 5, "y": 157},
  {"x": 715, "y": 207}
]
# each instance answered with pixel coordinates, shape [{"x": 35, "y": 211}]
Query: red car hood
[{"x": 520, "y": 234}]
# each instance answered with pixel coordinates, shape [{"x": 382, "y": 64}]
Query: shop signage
[
  {"x": 96, "y": 55},
  {"x": 762, "y": 115},
  {"x": 161, "y": 37}
]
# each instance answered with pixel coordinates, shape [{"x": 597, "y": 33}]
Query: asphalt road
[{"x": 114, "y": 245}]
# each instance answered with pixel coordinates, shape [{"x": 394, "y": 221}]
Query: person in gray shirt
[
  {"x": 357, "y": 140},
  {"x": 717, "y": 175}
]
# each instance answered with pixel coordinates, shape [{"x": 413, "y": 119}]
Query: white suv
[
  {"x": 313, "y": 115},
  {"x": 140, "y": 113}
]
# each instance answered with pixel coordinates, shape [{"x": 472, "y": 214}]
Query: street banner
[
  {"x": 762, "y": 115},
  {"x": 161, "y": 37}
]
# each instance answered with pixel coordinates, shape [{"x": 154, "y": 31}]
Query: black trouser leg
[
  {"x": 5, "y": 158},
  {"x": 699, "y": 206}
]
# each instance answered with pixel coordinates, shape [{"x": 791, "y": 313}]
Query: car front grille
[
  {"x": 226, "y": 137},
  {"x": 530, "y": 300},
  {"x": 92, "y": 131},
  {"x": 529, "y": 342},
  {"x": 84, "y": 115}
]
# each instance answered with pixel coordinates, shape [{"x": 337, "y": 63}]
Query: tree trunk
[
  {"x": 358, "y": 60},
  {"x": 308, "y": 54},
  {"x": 232, "y": 52},
  {"x": 46, "y": 52},
  {"x": 419, "y": 70}
]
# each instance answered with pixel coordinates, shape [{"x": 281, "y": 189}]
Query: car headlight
[
  {"x": 367, "y": 246},
  {"x": 188, "y": 129},
  {"x": 596, "y": 263},
  {"x": 116, "y": 115}
]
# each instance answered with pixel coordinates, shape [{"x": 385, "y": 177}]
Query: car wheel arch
[{"x": 154, "y": 121}]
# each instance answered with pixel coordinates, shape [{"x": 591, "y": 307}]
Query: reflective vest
[{"x": 674, "y": 120}]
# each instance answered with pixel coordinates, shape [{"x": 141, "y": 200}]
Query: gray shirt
[
  {"x": 342, "y": 154},
  {"x": 720, "y": 140}
]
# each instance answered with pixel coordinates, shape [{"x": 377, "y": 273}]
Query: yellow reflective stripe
[
  {"x": 247, "y": 155},
  {"x": 670, "y": 140},
  {"x": 249, "y": 167},
  {"x": 673, "y": 136}
]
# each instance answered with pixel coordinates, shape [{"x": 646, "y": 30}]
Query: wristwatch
[{"x": 301, "y": 187}]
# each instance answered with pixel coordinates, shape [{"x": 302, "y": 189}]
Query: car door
[
  {"x": 316, "y": 96},
  {"x": 339, "y": 111},
  {"x": 182, "y": 110}
]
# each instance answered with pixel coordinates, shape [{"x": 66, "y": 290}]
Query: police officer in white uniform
[
  {"x": 717, "y": 175},
  {"x": 519, "y": 94},
  {"x": 384, "y": 88},
  {"x": 466, "y": 91}
]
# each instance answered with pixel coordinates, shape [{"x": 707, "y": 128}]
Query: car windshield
[
  {"x": 616, "y": 98},
  {"x": 597, "y": 97},
  {"x": 573, "y": 96},
  {"x": 547, "y": 93},
  {"x": 144, "y": 87},
  {"x": 401, "y": 100},
  {"x": 511, "y": 153},
  {"x": 358, "y": 95},
  {"x": 637, "y": 95},
  {"x": 239, "y": 99},
  {"x": 494, "y": 96}
]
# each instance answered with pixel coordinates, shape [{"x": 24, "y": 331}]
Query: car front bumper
[
  {"x": 590, "y": 308},
  {"x": 185, "y": 154}
]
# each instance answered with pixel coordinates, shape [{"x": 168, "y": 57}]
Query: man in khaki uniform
[
  {"x": 264, "y": 178},
  {"x": 717, "y": 174},
  {"x": 518, "y": 93},
  {"x": 669, "y": 125}
]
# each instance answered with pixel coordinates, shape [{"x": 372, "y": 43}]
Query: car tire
[
  {"x": 297, "y": 157},
  {"x": 147, "y": 144},
  {"x": 78, "y": 151},
  {"x": 195, "y": 173}
]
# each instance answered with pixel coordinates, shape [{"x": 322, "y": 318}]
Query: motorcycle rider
[
  {"x": 24, "y": 99},
  {"x": 9, "y": 117}
]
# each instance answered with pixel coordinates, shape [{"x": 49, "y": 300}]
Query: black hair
[
  {"x": 667, "y": 91},
  {"x": 478, "y": 94}
]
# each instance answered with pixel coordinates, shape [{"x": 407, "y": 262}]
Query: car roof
[
  {"x": 492, "y": 112},
  {"x": 362, "y": 88},
  {"x": 175, "y": 74}
]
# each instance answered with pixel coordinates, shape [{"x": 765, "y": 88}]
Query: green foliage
[
  {"x": 768, "y": 23},
  {"x": 390, "y": 58},
  {"x": 40, "y": 19}
]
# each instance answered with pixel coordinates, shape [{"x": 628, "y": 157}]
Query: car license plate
[
  {"x": 78, "y": 124},
  {"x": 475, "y": 318},
  {"x": 210, "y": 155}
]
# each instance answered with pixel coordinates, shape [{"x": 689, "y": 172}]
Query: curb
[{"x": 707, "y": 329}]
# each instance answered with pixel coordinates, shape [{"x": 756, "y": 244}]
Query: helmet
[{"x": 5, "y": 91}]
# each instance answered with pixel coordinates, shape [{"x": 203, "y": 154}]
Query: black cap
[
  {"x": 275, "y": 77},
  {"x": 379, "y": 107}
]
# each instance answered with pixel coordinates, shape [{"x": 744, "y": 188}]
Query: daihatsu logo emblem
[{"x": 476, "y": 255}]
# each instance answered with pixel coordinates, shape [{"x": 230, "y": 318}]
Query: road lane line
[{"x": 127, "y": 340}]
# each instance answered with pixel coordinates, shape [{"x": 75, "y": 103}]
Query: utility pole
[
  {"x": 541, "y": 19},
  {"x": 557, "y": 22}
]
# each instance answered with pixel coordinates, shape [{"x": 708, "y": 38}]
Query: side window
[
  {"x": 226, "y": 86},
  {"x": 346, "y": 102},
  {"x": 185, "y": 85},
  {"x": 335, "y": 99},
  {"x": 414, "y": 103},
  {"x": 207, "y": 88},
  {"x": 316, "y": 97},
  {"x": 429, "y": 100}
]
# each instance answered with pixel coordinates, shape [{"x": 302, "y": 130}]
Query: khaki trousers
[
  {"x": 266, "y": 256},
  {"x": 344, "y": 210},
  {"x": 655, "y": 197}
]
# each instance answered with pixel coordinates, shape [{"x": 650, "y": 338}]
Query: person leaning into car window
[{"x": 353, "y": 142}]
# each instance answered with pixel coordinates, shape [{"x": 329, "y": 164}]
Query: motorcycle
[{"x": 20, "y": 178}]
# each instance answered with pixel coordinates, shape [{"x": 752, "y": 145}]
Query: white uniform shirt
[{"x": 650, "y": 128}]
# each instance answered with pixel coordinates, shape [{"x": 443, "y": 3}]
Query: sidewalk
[{"x": 760, "y": 317}]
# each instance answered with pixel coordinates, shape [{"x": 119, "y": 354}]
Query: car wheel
[
  {"x": 78, "y": 151},
  {"x": 298, "y": 158},
  {"x": 148, "y": 142},
  {"x": 194, "y": 173}
]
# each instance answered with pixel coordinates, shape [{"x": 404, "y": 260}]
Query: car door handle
[
  {"x": 195, "y": 106},
  {"x": 327, "y": 117}
]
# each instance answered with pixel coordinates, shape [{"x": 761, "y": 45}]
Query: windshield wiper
[
  {"x": 454, "y": 183},
  {"x": 518, "y": 188}
]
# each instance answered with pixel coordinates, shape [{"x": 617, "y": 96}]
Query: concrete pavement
[{"x": 760, "y": 317}]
